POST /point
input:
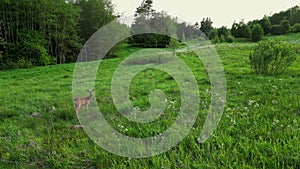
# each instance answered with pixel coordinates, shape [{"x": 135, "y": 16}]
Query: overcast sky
[{"x": 222, "y": 12}]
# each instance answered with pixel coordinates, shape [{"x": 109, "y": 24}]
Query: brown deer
[{"x": 81, "y": 101}]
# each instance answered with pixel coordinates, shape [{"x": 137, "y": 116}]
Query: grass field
[{"x": 260, "y": 127}]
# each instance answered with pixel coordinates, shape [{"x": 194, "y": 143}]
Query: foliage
[
  {"x": 174, "y": 44},
  {"x": 295, "y": 28},
  {"x": 223, "y": 31},
  {"x": 265, "y": 24},
  {"x": 215, "y": 40},
  {"x": 292, "y": 15},
  {"x": 257, "y": 33},
  {"x": 229, "y": 38},
  {"x": 150, "y": 21},
  {"x": 220, "y": 35},
  {"x": 54, "y": 30},
  {"x": 93, "y": 15},
  {"x": 277, "y": 30},
  {"x": 206, "y": 26},
  {"x": 186, "y": 31},
  {"x": 212, "y": 34},
  {"x": 240, "y": 30},
  {"x": 145, "y": 9},
  {"x": 222, "y": 38},
  {"x": 272, "y": 57},
  {"x": 286, "y": 26},
  {"x": 276, "y": 18},
  {"x": 55, "y": 23}
]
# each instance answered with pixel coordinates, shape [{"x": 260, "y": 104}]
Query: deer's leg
[
  {"x": 87, "y": 107},
  {"x": 77, "y": 108}
]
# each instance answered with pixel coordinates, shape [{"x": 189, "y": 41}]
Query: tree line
[
  {"x": 164, "y": 26},
  {"x": 43, "y": 32},
  {"x": 277, "y": 24}
]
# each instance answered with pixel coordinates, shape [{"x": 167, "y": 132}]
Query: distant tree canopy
[
  {"x": 42, "y": 32},
  {"x": 265, "y": 24},
  {"x": 148, "y": 20},
  {"x": 93, "y": 15},
  {"x": 292, "y": 15},
  {"x": 257, "y": 33},
  {"x": 240, "y": 30},
  {"x": 164, "y": 26},
  {"x": 276, "y": 24},
  {"x": 206, "y": 26}
]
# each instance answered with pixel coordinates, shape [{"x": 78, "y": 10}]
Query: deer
[{"x": 81, "y": 101}]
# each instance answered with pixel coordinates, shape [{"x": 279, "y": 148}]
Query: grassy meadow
[{"x": 260, "y": 126}]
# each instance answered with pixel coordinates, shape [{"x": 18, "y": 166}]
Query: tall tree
[
  {"x": 94, "y": 14},
  {"x": 240, "y": 30},
  {"x": 206, "y": 25},
  {"x": 147, "y": 20},
  {"x": 265, "y": 24},
  {"x": 257, "y": 33},
  {"x": 295, "y": 15}
]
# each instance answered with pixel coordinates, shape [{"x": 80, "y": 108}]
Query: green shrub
[
  {"x": 272, "y": 57},
  {"x": 222, "y": 38},
  {"x": 212, "y": 34},
  {"x": 286, "y": 26},
  {"x": 229, "y": 38},
  {"x": 257, "y": 33},
  {"x": 215, "y": 40},
  {"x": 296, "y": 28},
  {"x": 277, "y": 30}
]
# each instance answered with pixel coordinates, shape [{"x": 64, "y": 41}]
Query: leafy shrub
[
  {"x": 272, "y": 57},
  {"x": 257, "y": 33},
  {"x": 229, "y": 38},
  {"x": 28, "y": 51},
  {"x": 215, "y": 40},
  {"x": 240, "y": 30},
  {"x": 286, "y": 26},
  {"x": 212, "y": 34},
  {"x": 222, "y": 31},
  {"x": 277, "y": 30},
  {"x": 296, "y": 28},
  {"x": 222, "y": 38},
  {"x": 265, "y": 24}
]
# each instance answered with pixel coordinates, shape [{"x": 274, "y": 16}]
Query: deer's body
[{"x": 81, "y": 101}]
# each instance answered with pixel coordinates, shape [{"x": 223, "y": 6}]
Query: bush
[
  {"x": 28, "y": 51},
  {"x": 212, "y": 34},
  {"x": 222, "y": 38},
  {"x": 277, "y": 30},
  {"x": 272, "y": 57},
  {"x": 286, "y": 26},
  {"x": 240, "y": 30},
  {"x": 215, "y": 40},
  {"x": 265, "y": 24},
  {"x": 229, "y": 38},
  {"x": 257, "y": 33},
  {"x": 296, "y": 28}
]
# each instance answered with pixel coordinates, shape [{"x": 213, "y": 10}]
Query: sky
[{"x": 221, "y": 12}]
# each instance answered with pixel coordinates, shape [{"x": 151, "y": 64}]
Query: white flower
[{"x": 250, "y": 102}]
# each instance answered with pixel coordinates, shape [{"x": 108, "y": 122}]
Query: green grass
[
  {"x": 260, "y": 127},
  {"x": 292, "y": 37}
]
